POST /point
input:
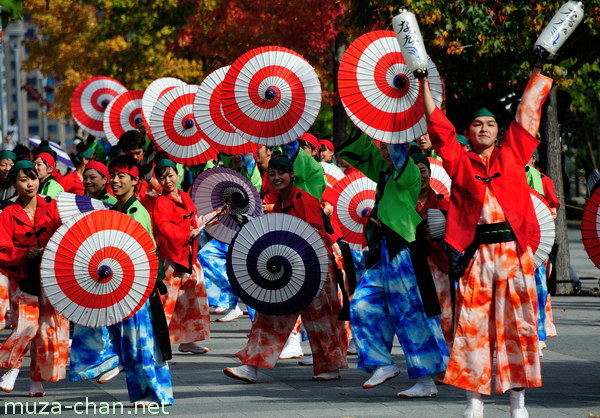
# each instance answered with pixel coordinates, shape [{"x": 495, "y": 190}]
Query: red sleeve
[
  {"x": 550, "y": 192},
  {"x": 521, "y": 142},
  {"x": 443, "y": 138},
  {"x": 11, "y": 257},
  {"x": 169, "y": 232}
]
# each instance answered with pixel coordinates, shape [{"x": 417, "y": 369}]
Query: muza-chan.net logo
[{"x": 86, "y": 408}]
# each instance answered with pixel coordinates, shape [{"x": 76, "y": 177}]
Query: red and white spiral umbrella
[
  {"x": 543, "y": 239},
  {"x": 122, "y": 115},
  {"x": 271, "y": 95},
  {"x": 590, "y": 227},
  {"x": 153, "y": 92},
  {"x": 90, "y": 100},
  {"x": 175, "y": 130},
  {"x": 439, "y": 180},
  {"x": 99, "y": 268},
  {"x": 380, "y": 93},
  {"x": 333, "y": 173},
  {"x": 211, "y": 121},
  {"x": 356, "y": 199}
]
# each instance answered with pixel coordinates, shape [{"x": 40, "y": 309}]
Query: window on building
[
  {"x": 32, "y": 114},
  {"x": 34, "y": 130},
  {"x": 53, "y": 128}
]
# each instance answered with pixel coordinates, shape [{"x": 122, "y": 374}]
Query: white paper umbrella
[
  {"x": 122, "y": 115},
  {"x": 333, "y": 173},
  {"x": 436, "y": 221},
  {"x": 380, "y": 93},
  {"x": 175, "y": 130},
  {"x": 271, "y": 95},
  {"x": 99, "y": 268},
  {"x": 89, "y": 101},
  {"x": 356, "y": 198},
  {"x": 218, "y": 186},
  {"x": 439, "y": 180},
  {"x": 152, "y": 93},
  {"x": 277, "y": 264},
  {"x": 542, "y": 241},
  {"x": 590, "y": 227},
  {"x": 211, "y": 121},
  {"x": 70, "y": 205}
]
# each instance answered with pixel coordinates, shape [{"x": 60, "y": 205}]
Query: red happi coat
[
  {"x": 72, "y": 184},
  {"x": 172, "y": 222},
  {"x": 550, "y": 192},
  {"x": 17, "y": 226},
  {"x": 306, "y": 207},
  {"x": 466, "y": 169}
]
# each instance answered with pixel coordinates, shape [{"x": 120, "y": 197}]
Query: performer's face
[
  {"x": 5, "y": 166},
  {"x": 483, "y": 132},
  {"x": 424, "y": 142},
  {"x": 326, "y": 154},
  {"x": 93, "y": 182},
  {"x": 263, "y": 155},
  {"x": 425, "y": 176},
  {"x": 138, "y": 154},
  {"x": 42, "y": 169},
  {"x": 385, "y": 155},
  {"x": 122, "y": 183},
  {"x": 280, "y": 180},
  {"x": 26, "y": 186},
  {"x": 169, "y": 179}
]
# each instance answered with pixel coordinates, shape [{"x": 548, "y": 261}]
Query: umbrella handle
[{"x": 213, "y": 218}]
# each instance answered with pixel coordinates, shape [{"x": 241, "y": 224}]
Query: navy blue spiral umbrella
[{"x": 277, "y": 264}]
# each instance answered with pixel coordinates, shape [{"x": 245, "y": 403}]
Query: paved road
[{"x": 571, "y": 371}]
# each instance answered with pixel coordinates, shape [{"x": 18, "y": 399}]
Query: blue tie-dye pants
[
  {"x": 130, "y": 343},
  {"x": 541, "y": 287},
  {"x": 387, "y": 302}
]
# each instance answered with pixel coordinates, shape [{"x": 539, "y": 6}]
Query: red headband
[
  {"x": 327, "y": 143},
  {"x": 132, "y": 171},
  {"x": 98, "y": 166},
  {"x": 47, "y": 158}
]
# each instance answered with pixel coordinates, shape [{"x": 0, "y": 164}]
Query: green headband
[
  {"x": 536, "y": 154},
  {"x": 19, "y": 165},
  {"x": 8, "y": 154},
  {"x": 281, "y": 163},
  {"x": 482, "y": 112},
  {"x": 86, "y": 154},
  {"x": 165, "y": 162},
  {"x": 462, "y": 140},
  {"x": 420, "y": 158}
]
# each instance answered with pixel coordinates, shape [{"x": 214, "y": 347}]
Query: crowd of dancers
[{"x": 457, "y": 305}]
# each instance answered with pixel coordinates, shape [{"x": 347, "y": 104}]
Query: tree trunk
[
  {"x": 340, "y": 118},
  {"x": 554, "y": 166}
]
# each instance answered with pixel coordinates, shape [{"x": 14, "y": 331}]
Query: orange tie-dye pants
[
  {"x": 46, "y": 332},
  {"x": 327, "y": 336},
  {"x": 186, "y": 304},
  {"x": 442, "y": 288},
  {"x": 4, "y": 298},
  {"x": 496, "y": 310}
]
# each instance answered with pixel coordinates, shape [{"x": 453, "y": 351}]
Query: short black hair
[
  {"x": 22, "y": 152},
  {"x": 29, "y": 172},
  {"x": 159, "y": 172},
  {"x": 125, "y": 160},
  {"x": 131, "y": 140},
  {"x": 44, "y": 148}
]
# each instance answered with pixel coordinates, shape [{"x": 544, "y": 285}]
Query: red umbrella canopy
[
  {"x": 90, "y": 100},
  {"x": 271, "y": 95},
  {"x": 590, "y": 227},
  {"x": 122, "y": 115},
  {"x": 152, "y": 93},
  {"x": 380, "y": 93},
  {"x": 99, "y": 268},
  {"x": 209, "y": 114},
  {"x": 175, "y": 130}
]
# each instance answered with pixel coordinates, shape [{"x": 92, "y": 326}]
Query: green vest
[
  {"x": 397, "y": 197},
  {"x": 309, "y": 175},
  {"x": 534, "y": 178},
  {"x": 51, "y": 188}
]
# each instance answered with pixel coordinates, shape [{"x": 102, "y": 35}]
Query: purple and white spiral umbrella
[
  {"x": 70, "y": 204},
  {"x": 219, "y": 186},
  {"x": 277, "y": 264}
]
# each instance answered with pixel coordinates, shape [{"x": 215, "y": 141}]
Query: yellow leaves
[{"x": 117, "y": 44}]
